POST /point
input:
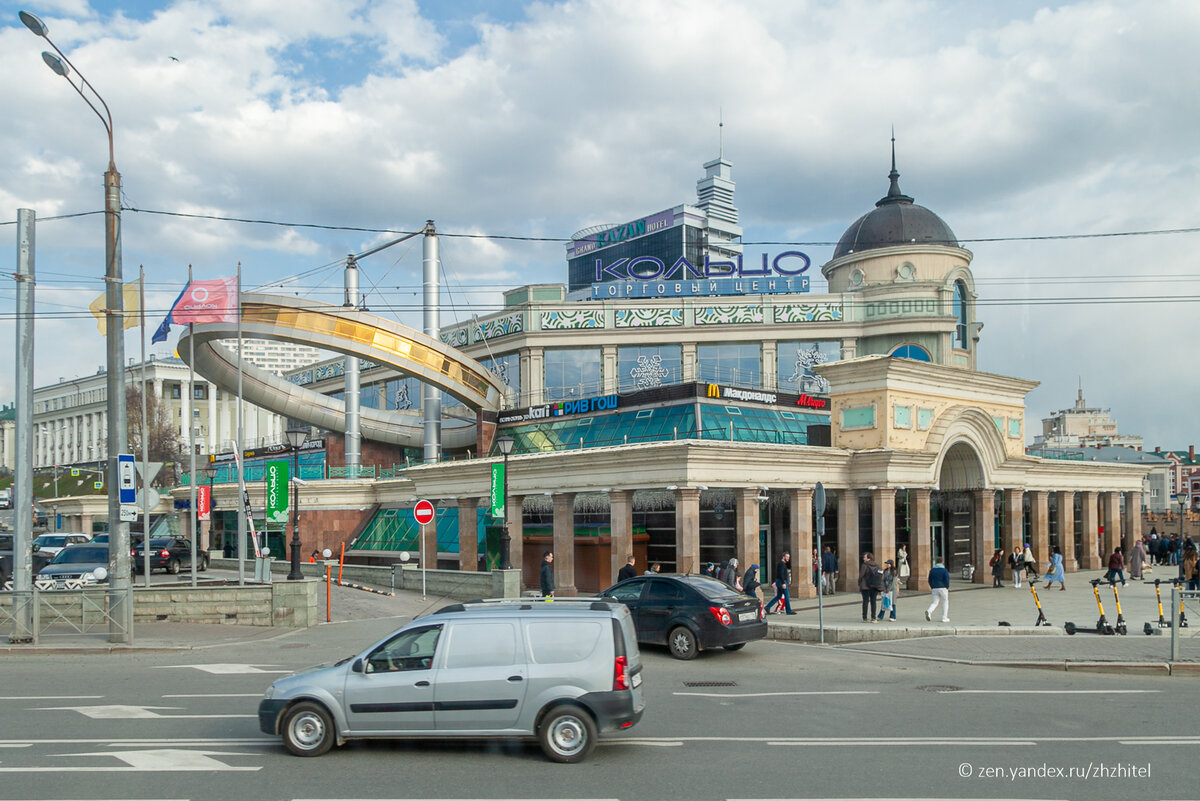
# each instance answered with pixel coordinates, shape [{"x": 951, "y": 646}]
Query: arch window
[
  {"x": 914, "y": 352},
  {"x": 960, "y": 314}
]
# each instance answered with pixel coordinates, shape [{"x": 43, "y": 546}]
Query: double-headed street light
[
  {"x": 505, "y": 444},
  {"x": 120, "y": 596},
  {"x": 296, "y": 437}
]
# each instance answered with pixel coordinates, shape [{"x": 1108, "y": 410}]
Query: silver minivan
[{"x": 560, "y": 670}]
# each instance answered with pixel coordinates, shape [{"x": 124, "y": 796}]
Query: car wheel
[
  {"x": 567, "y": 734},
  {"x": 203, "y": 564},
  {"x": 308, "y": 730},
  {"x": 735, "y": 647},
  {"x": 173, "y": 566},
  {"x": 682, "y": 643}
]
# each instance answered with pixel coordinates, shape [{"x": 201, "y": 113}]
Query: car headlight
[{"x": 270, "y": 693}]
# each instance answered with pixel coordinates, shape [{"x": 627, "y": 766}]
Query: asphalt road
[{"x": 778, "y": 721}]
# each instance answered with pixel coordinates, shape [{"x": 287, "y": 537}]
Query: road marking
[
  {"x": 772, "y": 695},
  {"x": 913, "y": 741},
  {"x": 649, "y": 743},
  {"x": 128, "y": 712},
  {"x": 221, "y": 695},
  {"x": 226, "y": 668},
  {"x": 1048, "y": 692},
  {"x": 153, "y": 760},
  {"x": 48, "y": 697},
  {"x": 219, "y": 742}
]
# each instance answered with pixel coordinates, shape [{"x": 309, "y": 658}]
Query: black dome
[{"x": 895, "y": 220}]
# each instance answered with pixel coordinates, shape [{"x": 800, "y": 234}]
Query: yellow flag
[{"x": 131, "y": 293}]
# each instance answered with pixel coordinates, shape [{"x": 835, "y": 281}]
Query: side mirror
[
  {"x": 35, "y": 547},
  {"x": 357, "y": 667}
]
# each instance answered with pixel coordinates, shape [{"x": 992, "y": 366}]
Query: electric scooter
[
  {"x": 1163, "y": 623},
  {"x": 1102, "y": 625},
  {"x": 1041, "y": 618},
  {"x": 1121, "y": 628}
]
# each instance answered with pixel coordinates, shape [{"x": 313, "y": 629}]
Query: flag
[
  {"x": 132, "y": 307},
  {"x": 212, "y": 301}
]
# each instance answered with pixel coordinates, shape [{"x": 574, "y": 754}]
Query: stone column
[
  {"x": 1039, "y": 524},
  {"x": 687, "y": 362},
  {"x": 687, "y": 530},
  {"x": 920, "y": 553},
  {"x": 468, "y": 534},
  {"x": 1013, "y": 535},
  {"x": 746, "y": 543},
  {"x": 983, "y": 532},
  {"x": 801, "y": 542},
  {"x": 1089, "y": 559},
  {"x": 883, "y": 524},
  {"x": 514, "y": 513},
  {"x": 848, "y": 557},
  {"x": 620, "y": 524},
  {"x": 1066, "y": 529},
  {"x": 564, "y": 544},
  {"x": 1110, "y": 513},
  {"x": 1132, "y": 528},
  {"x": 85, "y": 524}
]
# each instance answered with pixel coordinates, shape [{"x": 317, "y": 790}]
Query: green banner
[
  {"x": 498, "y": 489},
  {"x": 277, "y": 492}
]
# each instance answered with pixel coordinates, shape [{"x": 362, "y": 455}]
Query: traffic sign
[
  {"x": 129, "y": 513},
  {"x": 127, "y": 479},
  {"x": 423, "y": 512},
  {"x": 819, "y": 499}
]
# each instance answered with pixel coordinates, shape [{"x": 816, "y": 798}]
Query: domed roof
[{"x": 895, "y": 220}]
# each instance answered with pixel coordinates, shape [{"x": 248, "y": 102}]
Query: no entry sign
[{"x": 423, "y": 512}]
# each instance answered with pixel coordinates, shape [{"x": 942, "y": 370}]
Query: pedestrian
[
  {"x": 891, "y": 589},
  {"x": 629, "y": 571},
  {"x": 1152, "y": 546},
  {"x": 829, "y": 570},
  {"x": 997, "y": 565},
  {"x": 1055, "y": 572},
  {"x": 1173, "y": 549},
  {"x": 1116, "y": 566},
  {"x": 1137, "y": 560},
  {"x": 654, "y": 569},
  {"x": 939, "y": 588},
  {"x": 731, "y": 575},
  {"x": 870, "y": 582},
  {"x": 783, "y": 577},
  {"x": 1030, "y": 564},
  {"x": 1016, "y": 562},
  {"x": 313, "y": 556},
  {"x": 817, "y": 578},
  {"x": 546, "y": 576},
  {"x": 751, "y": 584},
  {"x": 903, "y": 571},
  {"x": 1191, "y": 568}
]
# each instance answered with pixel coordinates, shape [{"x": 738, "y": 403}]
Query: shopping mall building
[{"x": 678, "y": 401}]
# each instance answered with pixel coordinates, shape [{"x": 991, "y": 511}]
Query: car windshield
[
  {"x": 51, "y": 542},
  {"x": 82, "y": 554},
  {"x": 100, "y": 538},
  {"x": 710, "y": 587}
]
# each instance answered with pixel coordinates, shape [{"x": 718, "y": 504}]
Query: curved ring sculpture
[{"x": 353, "y": 333}]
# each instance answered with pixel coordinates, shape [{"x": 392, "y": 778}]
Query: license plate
[
  {"x": 746, "y": 617},
  {"x": 637, "y": 679}
]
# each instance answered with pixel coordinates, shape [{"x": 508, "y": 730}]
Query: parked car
[
  {"x": 86, "y": 563},
  {"x": 40, "y": 559},
  {"x": 51, "y": 544},
  {"x": 39, "y": 515},
  {"x": 559, "y": 671},
  {"x": 690, "y": 613},
  {"x": 169, "y": 554},
  {"x": 6, "y": 499}
]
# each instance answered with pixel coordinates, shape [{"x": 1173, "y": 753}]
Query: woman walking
[
  {"x": 997, "y": 565},
  {"x": 1055, "y": 571},
  {"x": 1137, "y": 560},
  {"x": 891, "y": 588}
]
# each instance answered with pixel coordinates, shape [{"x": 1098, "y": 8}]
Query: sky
[{"x": 345, "y": 120}]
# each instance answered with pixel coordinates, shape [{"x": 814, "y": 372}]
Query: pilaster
[
  {"x": 687, "y": 530},
  {"x": 848, "y": 557},
  {"x": 564, "y": 544},
  {"x": 800, "y": 506}
]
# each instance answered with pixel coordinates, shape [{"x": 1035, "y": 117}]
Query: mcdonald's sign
[{"x": 714, "y": 391}]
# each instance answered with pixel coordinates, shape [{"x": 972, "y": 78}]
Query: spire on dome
[{"x": 894, "y": 195}]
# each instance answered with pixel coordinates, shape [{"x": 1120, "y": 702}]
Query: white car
[{"x": 51, "y": 544}]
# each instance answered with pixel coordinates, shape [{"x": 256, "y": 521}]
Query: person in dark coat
[
  {"x": 628, "y": 571},
  {"x": 750, "y": 583},
  {"x": 546, "y": 576},
  {"x": 783, "y": 577},
  {"x": 829, "y": 569}
]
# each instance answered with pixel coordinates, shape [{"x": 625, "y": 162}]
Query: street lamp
[
  {"x": 296, "y": 436},
  {"x": 1182, "y": 508},
  {"x": 120, "y": 584},
  {"x": 505, "y": 444}
]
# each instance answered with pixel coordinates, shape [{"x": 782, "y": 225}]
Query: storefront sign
[
  {"x": 648, "y": 276},
  {"x": 600, "y": 403},
  {"x": 270, "y": 450},
  {"x": 623, "y": 233},
  {"x": 813, "y": 402}
]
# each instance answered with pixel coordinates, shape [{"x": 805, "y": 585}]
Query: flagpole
[
  {"x": 145, "y": 430},
  {"x": 241, "y": 530},
  {"x": 191, "y": 438}
]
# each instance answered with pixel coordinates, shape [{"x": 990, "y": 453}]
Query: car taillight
[
  {"x": 721, "y": 614},
  {"x": 761, "y": 614},
  {"x": 620, "y": 676},
  {"x": 164, "y": 553}
]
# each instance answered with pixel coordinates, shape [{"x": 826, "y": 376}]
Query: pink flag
[{"x": 212, "y": 301}]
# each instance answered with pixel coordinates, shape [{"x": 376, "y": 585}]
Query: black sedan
[
  {"x": 169, "y": 554},
  {"x": 690, "y": 613}
]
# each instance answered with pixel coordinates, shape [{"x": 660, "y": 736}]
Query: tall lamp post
[
  {"x": 296, "y": 436},
  {"x": 505, "y": 444},
  {"x": 120, "y": 595}
]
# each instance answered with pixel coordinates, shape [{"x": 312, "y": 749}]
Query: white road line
[
  {"x": 910, "y": 742},
  {"x": 225, "y": 668},
  {"x": 876, "y": 798},
  {"x": 1047, "y": 692},
  {"x": 214, "y": 695},
  {"x": 130, "y": 712},
  {"x": 773, "y": 695},
  {"x": 213, "y": 742},
  {"x": 48, "y": 697}
]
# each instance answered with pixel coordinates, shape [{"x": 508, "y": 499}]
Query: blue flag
[{"x": 160, "y": 335}]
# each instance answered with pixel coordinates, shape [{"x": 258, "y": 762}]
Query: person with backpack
[
  {"x": 870, "y": 582},
  {"x": 783, "y": 577}
]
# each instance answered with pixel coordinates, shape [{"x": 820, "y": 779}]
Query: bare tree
[{"x": 162, "y": 438}]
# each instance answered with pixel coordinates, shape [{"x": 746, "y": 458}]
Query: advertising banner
[
  {"x": 203, "y": 503},
  {"x": 498, "y": 489},
  {"x": 277, "y": 492}
]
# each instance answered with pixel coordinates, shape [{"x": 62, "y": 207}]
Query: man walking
[
  {"x": 939, "y": 587},
  {"x": 783, "y": 577},
  {"x": 546, "y": 577},
  {"x": 829, "y": 570},
  {"x": 628, "y": 571}
]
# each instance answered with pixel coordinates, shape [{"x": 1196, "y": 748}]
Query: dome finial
[{"x": 894, "y": 195}]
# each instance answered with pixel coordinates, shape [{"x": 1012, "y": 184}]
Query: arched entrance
[{"x": 950, "y": 513}]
